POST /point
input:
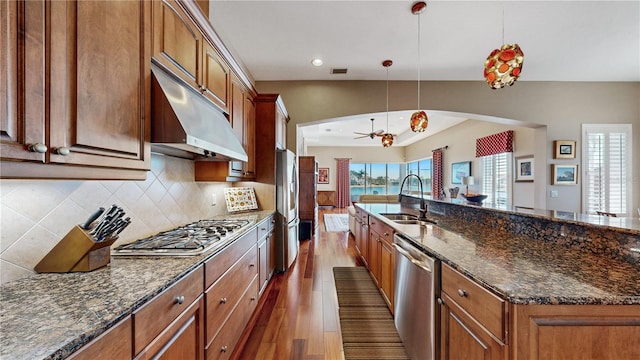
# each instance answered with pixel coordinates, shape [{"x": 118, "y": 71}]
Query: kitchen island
[
  {"x": 50, "y": 316},
  {"x": 527, "y": 286}
]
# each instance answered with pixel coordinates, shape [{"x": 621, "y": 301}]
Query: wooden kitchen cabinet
[
  {"x": 382, "y": 258},
  {"x": 575, "y": 332},
  {"x": 216, "y": 78},
  {"x": 116, "y": 342},
  {"x": 266, "y": 252},
  {"x": 231, "y": 279},
  {"x": 172, "y": 324},
  {"x": 78, "y": 104},
  {"x": 473, "y": 320},
  {"x": 326, "y": 198},
  {"x": 307, "y": 188},
  {"x": 362, "y": 235},
  {"x": 271, "y": 123},
  {"x": 181, "y": 48},
  {"x": 243, "y": 123}
]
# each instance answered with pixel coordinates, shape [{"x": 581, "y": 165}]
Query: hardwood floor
[{"x": 299, "y": 315}]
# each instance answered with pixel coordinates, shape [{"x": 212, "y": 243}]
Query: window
[
  {"x": 385, "y": 179},
  {"x": 607, "y": 166},
  {"x": 496, "y": 178},
  {"x": 377, "y": 179},
  {"x": 421, "y": 168}
]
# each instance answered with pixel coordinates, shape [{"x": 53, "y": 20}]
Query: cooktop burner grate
[{"x": 191, "y": 239}]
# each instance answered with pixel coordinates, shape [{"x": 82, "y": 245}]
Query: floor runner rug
[
  {"x": 366, "y": 324},
  {"x": 336, "y": 222}
]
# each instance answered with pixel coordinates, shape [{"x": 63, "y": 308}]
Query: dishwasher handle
[{"x": 406, "y": 250}]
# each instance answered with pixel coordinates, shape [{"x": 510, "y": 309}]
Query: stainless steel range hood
[{"x": 185, "y": 124}]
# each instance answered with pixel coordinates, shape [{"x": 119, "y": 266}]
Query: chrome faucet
[{"x": 423, "y": 205}]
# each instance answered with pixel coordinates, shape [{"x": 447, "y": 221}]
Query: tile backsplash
[{"x": 36, "y": 214}]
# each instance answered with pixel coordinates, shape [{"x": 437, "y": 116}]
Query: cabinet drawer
[
  {"x": 385, "y": 232},
  {"x": 485, "y": 307},
  {"x": 223, "y": 260},
  {"x": 265, "y": 227},
  {"x": 224, "y": 343},
  {"x": 158, "y": 313},
  {"x": 223, "y": 296}
]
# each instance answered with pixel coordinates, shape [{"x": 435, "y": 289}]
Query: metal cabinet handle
[
  {"x": 252, "y": 265},
  {"x": 224, "y": 348},
  {"x": 223, "y": 300},
  {"x": 64, "y": 151},
  {"x": 462, "y": 293},
  {"x": 37, "y": 147},
  {"x": 440, "y": 301},
  {"x": 179, "y": 300},
  {"x": 253, "y": 298}
]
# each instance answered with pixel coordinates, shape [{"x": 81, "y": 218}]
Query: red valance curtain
[
  {"x": 343, "y": 195},
  {"x": 437, "y": 188},
  {"x": 495, "y": 144}
]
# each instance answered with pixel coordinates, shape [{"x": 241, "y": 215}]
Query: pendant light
[
  {"x": 419, "y": 120},
  {"x": 387, "y": 138},
  {"x": 503, "y": 66}
]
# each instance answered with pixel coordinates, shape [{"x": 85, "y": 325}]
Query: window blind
[
  {"x": 495, "y": 178},
  {"x": 608, "y": 161}
]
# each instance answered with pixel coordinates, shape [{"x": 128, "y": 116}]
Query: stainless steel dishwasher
[{"x": 416, "y": 288}]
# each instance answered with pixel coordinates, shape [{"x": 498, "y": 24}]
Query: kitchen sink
[{"x": 406, "y": 219}]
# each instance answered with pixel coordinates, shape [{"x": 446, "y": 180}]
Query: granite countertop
[
  {"x": 520, "y": 269},
  {"x": 48, "y": 316}
]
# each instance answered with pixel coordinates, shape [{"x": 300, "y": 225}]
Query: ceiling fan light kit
[{"x": 419, "y": 119}]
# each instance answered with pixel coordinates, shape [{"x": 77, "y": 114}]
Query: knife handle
[{"x": 87, "y": 224}]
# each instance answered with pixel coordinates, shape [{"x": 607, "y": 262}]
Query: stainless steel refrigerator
[{"x": 287, "y": 209}]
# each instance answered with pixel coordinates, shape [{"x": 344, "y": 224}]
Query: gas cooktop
[{"x": 192, "y": 239}]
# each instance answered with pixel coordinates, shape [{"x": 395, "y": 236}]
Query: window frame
[{"x": 607, "y": 129}]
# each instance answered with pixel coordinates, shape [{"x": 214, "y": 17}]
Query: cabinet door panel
[
  {"x": 249, "y": 136},
  {"x": 176, "y": 43},
  {"x": 216, "y": 78},
  {"x": 22, "y": 89},
  {"x": 99, "y": 103}
]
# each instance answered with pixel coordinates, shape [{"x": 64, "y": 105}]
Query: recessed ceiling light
[{"x": 317, "y": 62}]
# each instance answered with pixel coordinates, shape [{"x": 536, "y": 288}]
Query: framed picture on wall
[
  {"x": 564, "y": 149},
  {"x": 323, "y": 175},
  {"x": 564, "y": 174},
  {"x": 460, "y": 170},
  {"x": 524, "y": 168}
]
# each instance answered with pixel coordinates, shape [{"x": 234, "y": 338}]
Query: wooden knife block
[{"x": 76, "y": 252}]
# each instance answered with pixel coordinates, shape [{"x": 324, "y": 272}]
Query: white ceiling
[{"x": 561, "y": 40}]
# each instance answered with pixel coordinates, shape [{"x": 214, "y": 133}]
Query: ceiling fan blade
[
  {"x": 379, "y": 132},
  {"x": 359, "y": 133},
  {"x": 360, "y": 137}
]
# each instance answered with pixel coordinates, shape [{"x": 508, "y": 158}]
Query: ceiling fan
[{"x": 372, "y": 134}]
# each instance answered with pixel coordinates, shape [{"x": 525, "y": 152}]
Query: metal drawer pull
[
  {"x": 64, "y": 151},
  {"x": 38, "y": 147},
  {"x": 440, "y": 301},
  {"x": 179, "y": 300},
  {"x": 223, "y": 300},
  {"x": 252, "y": 265},
  {"x": 223, "y": 349},
  {"x": 462, "y": 293},
  {"x": 253, "y": 298}
]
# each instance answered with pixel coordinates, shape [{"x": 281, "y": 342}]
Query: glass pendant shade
[
  {"x": 503, "y": 66},
  {"x": 387, "y": 140},
  {"x": 419, "y": 121}
]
